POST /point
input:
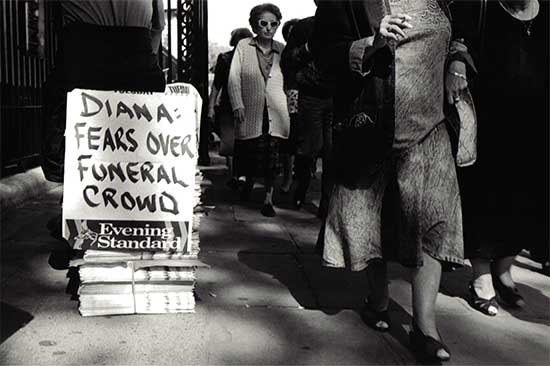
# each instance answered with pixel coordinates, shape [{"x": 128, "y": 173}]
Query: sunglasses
[{"x": 265, "y": 23}]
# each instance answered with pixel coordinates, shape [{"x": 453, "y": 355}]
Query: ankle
[
  {"x": 427, "y": 328},
  {"x": 505, "y": 279},
  {"x": 483, "y": 286},
  {"x": 377, "y": 304}
]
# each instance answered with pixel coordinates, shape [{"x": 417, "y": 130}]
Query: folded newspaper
[{"x": 119, "y": 272}]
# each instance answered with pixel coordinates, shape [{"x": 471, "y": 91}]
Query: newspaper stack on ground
[
  {"x": 139, "y": 298},
  {"x": 132, "y": 199},
  {"x": 140, "y": 282}
]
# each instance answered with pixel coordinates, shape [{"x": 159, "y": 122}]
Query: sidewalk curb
[{"x": 21, "y": 187}]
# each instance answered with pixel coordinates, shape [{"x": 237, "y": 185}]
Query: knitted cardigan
[{"x": 248, "y": 89}]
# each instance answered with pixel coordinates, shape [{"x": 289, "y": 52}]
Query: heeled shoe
[
  {"x": 509, "y": 296},
  {"x": 268, "y": 211},
  {"x": 425, "y": 347},
  {"x": 481, "y": 304},
  {"x": 378, "y": 320}
]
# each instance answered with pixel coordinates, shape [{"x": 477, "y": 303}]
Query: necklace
[
  {"x": 529, "y": 17},
  {"x": 527, "y": 25}
]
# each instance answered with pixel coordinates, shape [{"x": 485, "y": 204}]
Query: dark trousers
[{"x": 314, "y": 140}]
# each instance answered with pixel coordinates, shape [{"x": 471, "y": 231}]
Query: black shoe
[
  {"x": 425, "y": 347},
  {"x": 268, "y": 211},
  {"x": 377, "y": 320},
  {"x": 481, "y": 304},
  {"x": 508, "y": 296}
]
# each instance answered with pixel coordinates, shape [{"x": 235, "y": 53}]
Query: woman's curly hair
[{"x": 258, "y": 10}]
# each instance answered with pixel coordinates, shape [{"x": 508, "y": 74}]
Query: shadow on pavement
[
  {"x": 536, "y": 303},
  {"x": 12, "y": 319}
]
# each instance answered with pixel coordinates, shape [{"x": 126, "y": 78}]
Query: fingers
[
  {"x": 450, "y": 98},
  {"x": 396, "y": 30},
  {"x": 454, "y": 92},
  {"x": 393, "y": 26},
  {"x": 401, "y": 20},
  {"x": 238, "y": 115}
]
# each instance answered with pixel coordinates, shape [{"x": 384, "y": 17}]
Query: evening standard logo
[{"x": 145, "y": 237}]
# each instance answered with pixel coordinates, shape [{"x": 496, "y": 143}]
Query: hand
[
  {"x": 392, "y": 28},
  {"x": 455, "y": 81},
  {"x": 238, "y": 115}
]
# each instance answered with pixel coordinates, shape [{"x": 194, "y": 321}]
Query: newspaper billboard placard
[{"x": 130, "y": 164}]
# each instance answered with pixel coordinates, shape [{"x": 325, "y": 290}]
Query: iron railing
[{"x": 28, "y": 45}]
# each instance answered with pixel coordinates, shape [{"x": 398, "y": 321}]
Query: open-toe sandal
[
  {"x": 378, "y": 320},
  {"x": 481, "y": 304},
  {"x": 425, "y": 347}
]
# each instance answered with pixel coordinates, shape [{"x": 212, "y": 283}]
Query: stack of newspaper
[
  {"x": 140, "y": 282},
  {"x": 143, "y": 297}
]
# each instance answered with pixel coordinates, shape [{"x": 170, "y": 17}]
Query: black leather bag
[{"x": 363, "y": 133}]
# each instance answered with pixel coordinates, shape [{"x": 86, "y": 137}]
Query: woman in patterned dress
[{"x": 400, "y": 198}]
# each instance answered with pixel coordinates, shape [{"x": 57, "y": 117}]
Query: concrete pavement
[{"x": 265, "y": 300}]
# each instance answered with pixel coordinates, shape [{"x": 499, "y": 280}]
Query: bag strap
[{"x": 481, "y": 25}]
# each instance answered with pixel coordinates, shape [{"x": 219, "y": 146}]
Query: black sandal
[
  {"x": 509, "y": 296},
  {"x": 481, "y": 304},
  {"x": 425, "y": 347},
  {"x": 376, "y": 318}
]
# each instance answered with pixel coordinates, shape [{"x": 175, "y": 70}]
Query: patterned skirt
[
  {"x": 258, "y": 157},
  {"x": 412, "y": 207}
]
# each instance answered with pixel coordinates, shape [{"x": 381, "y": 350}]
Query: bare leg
[
  {"x": 268, "y": 194},
  {"x": 504, "y": 284},
  {"x": 502, "y": 268},
  {"x": 482, "y": 279},
  {"x": 425, "y": 286}
]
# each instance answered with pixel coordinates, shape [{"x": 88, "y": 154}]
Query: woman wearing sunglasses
[{"x": 259, "y": 103}]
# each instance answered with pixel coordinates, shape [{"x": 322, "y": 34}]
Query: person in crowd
[
  {"x": 219, "y": 107},
  {"x": 396, "y": 194},
  {"x": 505, "y": 194},
  {"x": 103, "y": 45},
  {"x": 259, "y": 103},
  {"x": 291, "y": 90},
  {"x": 315, "y": 114}
]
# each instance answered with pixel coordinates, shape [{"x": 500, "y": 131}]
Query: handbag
[
  {"x": 363, "y": 134},
  {"x": 363, "y": 125},
  {"x": 462, "y": 120}
]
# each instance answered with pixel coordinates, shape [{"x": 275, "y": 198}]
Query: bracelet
[{"x": 458, "y": 75}]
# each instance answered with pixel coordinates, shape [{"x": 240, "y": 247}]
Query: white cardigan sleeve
[{"x": 234, "y": 81}]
